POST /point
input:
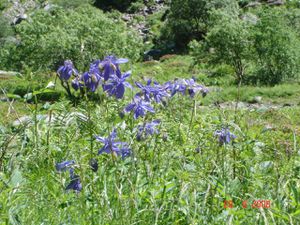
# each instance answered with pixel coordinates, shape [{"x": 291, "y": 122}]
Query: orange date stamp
[{"x": 255, "y": 204}]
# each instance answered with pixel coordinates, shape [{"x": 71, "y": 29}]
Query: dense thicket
[
  {"x": 262, "y": 46},
  {"x": 190, "y": 19},
  {"x": 82, "y": 34},
  {"x": 276, "y": 46}
]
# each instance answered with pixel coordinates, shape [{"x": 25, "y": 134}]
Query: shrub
[
  {"x": 277, "y": 47},
  {"x": 190, "y": 20},
  {"x": 6, "y": 29},
  {"x": 264, "y": 50},
  {"x": 82, "y": 34},
  {"x": 228, "y": 42}
]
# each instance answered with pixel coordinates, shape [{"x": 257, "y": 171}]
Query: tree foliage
[
  {"x": 263, "y": 48},
  {"x": 82, "y": 34},
  {"x": 191, "y": 19},
  {"x": 228, "y": 42},
  {"x": 276, "y": 46}
]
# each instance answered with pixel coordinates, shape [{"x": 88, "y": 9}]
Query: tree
[
  {"x": 277, "y": 47},
  {"x": 230, "y": 40},
  {"x": 190, "y": 19}
]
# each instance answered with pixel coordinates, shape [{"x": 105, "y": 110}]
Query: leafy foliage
[
  {"x": 191, "y": 19},
  {"x": 261, "y": 48},
  {"x": 6, "y": 29},
  {"x": 229, "y": 43},
  {"x": 277, "y": 47},
  {"x": 71, "y": 4},
  {"x": 50, "y": 37}
]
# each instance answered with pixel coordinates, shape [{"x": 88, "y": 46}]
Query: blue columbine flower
[
  {"x": 110, "y": 66},
  {"x": 159, "y": 92},
  {"x": 186, "y": 86},
  {"x": 63, "y": 166},
  {"x": 91, "y": 80},
  {"x": 76, "y": 83},
  {"x": 117, "y": 85},
  {"x": 139, "y": 107},
  {"x": 224, "y": 136},
  {"x": 95, "y": 67},
  {"x": 193, "y": 88},
  {"x": 147, "y": 129},
  {"x": 113, "y": 147},
  {"x": 75, "y": 183},
  {"x": 146, "y": 89},
  {"x": 177, "y": 86},
  {"x": 66, "y": 71},
  {"x": 156, "y": 92},
  {"x": 75, "y": 180}
]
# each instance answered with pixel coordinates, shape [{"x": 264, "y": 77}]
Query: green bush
[
  {"x": 82, "y": 34},
  {"x": 6, "y": 29},
  {"x": 71, "y": 4},
  {"x": 191, "y": 19},
  {"x": 264, "y": 50},
  {"x": 276, "y": 46},
  {"x": 136, "y": 6},
  {"x": 228, "y": 42},
  {"x": 3, "y": 4}
]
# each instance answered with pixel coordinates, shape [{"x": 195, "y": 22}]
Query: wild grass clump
[{"x": 154, "y": 160}]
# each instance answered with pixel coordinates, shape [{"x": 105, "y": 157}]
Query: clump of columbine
[
  {"x": 75, "y": 183},
  {"x": 106, "y": 72},
  {"x": 224, "y": 136},
  {"x": 111, "y": 146},
  {"x": 139, "y": 107},
  {"x": 187, "y": 86},
  {"x": 154, "y": 92},
  {"x": 147, "y": 129}
]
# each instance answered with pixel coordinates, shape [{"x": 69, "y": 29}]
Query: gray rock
[
  {"x": 257, "y": 99},
  {"x": 250, "y": 18},
  {"x": 275, "y": 2},
  {"x": 252, "y": 4},
  {"x": 126, "y": 17}
]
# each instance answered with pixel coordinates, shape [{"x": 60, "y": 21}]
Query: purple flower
[
  {"x": 159, "y": 92},
  {"x": 156, "y": 92},
  {"x": 193, "y": 88},
  {"x": 110, "y": 66},
  {"x": 146, "y": 89},
  {"x": 139, "y": 107},
  {"x": 95, "y": 67},
  {"x": 66, "y": 71},
  {"x": 75, "y": 180},
  {"x": 75, "y": 183},
  {"x": 91, "y": 80},
  {"x": 117, "y": 85},
  {"x": 204, "y": 91},
  {"x": 63, "y": 166},
  {"x": 76, "y": 84},
  {"x": 112, "y": 146},
  {"x": 224, "y": 136},
  {"x": 177, "y": 86},
  {"x": 186, "y": 86},
  {"x": 147, "y": 129}
]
